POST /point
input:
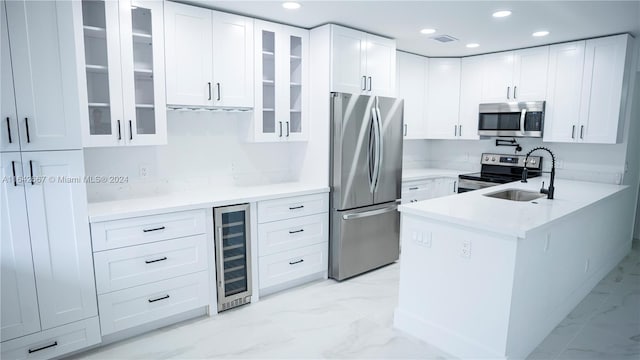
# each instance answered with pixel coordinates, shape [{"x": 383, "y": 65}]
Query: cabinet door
[
  {"x": 266, "y": 126},
  {"x": 348, "y": 62},
  {"x": 296, "y": 62},
  {"x": 470, "y": 94},
  {"x": 381, "y": 66},
  {"x": 443, "y": 98},
  {"x": 602, "y": 82},
  {"x": 561, "y": 118},
  {"x": 61, "y": 245},
  {"x": 412, "y": 83},
  {"x": 232, "y": 60},
  {"x": 142, "y": 54},
  {"x": 9, "y": 138},
  {"x": 99, "y": 54},
  {"x": 189, "y": 54},
  {"x": 497, "y": 77},
  {"x": 530, "y": 74},
  {"x": 18, "y": 287},
  {"x": 45, "y": 75}
]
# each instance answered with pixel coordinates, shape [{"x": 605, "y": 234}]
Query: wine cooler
[{"x": 233, "y": 256}]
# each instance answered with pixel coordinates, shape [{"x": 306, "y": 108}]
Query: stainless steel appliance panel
[
  {"x": 352, "y": 132},
  {"x": 388, "y": 183},
  {"x": 518, "y": 119},
  {"x": 363, "y": 239},
  {"x": 233, "y": 255}
]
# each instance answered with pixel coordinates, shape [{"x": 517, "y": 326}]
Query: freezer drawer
[{"x": 363, "y": 239}]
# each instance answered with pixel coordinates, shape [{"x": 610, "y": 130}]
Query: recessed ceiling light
[
  {"x": 540, "y": 33},
  {"x": 473, "y": 45},
  {"x": 427, "y": 31},
  {"x": 290, "y": 5},
  {"x": 501, "y": 13}
]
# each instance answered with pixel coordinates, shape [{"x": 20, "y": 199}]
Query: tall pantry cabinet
[{"x": 47, "y": 285}]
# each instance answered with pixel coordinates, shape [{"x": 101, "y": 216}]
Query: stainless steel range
[{"x": 498, "y": 169}]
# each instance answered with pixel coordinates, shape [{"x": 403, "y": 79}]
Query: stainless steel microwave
[{"x": 521, "y": 119}]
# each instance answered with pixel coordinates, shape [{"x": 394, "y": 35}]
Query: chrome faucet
[{"x": 525, "y": 172}]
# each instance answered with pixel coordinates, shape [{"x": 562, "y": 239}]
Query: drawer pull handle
[
  {"x": 296, "y": 262},
  {"x": 156, "y": 260},
  {"x": 154, "y": 229},
  {"x": 55, "y": 343},
  {"x": 158, "y": 299},
  {"x": 296, "y": 231},
  {"x": 413, "y": 188},
  {"x": 296, "y": 207}
]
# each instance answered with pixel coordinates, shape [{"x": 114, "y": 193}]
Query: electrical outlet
[
  {"x": 560, "y": 164},
  {"x": 465, "y": 252},
  {"x": 426, "y": 239},
  {"x": 143, "y": 170},
  {"x": 586, "y": 265}
]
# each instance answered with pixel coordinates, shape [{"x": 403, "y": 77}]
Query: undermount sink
[{"x": 515, "y": 195}]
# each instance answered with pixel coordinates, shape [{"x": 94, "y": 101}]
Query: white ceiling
[{"x": 468, "y": 21}]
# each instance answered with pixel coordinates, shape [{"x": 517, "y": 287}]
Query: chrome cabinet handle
[
  {"x": 405, "y": 129},
  {"x": 288, "y": 129},
  {"x": 130, "y": 130},
  {"x": 364, "y": 83},
  {"x": 154, "y": 229},
  {"x": 31, "y": 351},
  {"x": 508, "y": 90},
  {"x": 209, "y": 84},
  {"x": 33, "y": 182},
  {"x": 280, "y": 125},
  {"x": 13, "y": 168},
  {"x": 296, "y": 231},
  {"x": 9, "y": 130},
  {"x": 581, "y": 131},
  {"x": 158, "y": 299},
  {"x": 219, "y": 95},
  {"x": 455, "y": 130},
  {"x": 455, "y": 184},
  {"x": 515, "y": 88},
  {"x": 26, "y": 125},
  {"x": 573, "y": 132},
  {"x": 296, "y": 262},
  {"x": 119, "y": 131},
  {"x": 413, "y": 188},
  {"x": 155, "y": 261},
  {"x": 459, "y": 130},
  {"x": 370, "y": 83},
  {"x": 296, "y": 207}
]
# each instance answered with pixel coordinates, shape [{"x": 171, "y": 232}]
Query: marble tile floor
[{"x": 353, "y": 319}]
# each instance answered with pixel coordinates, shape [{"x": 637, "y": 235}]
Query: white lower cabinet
[
  {"x": 54, "y": 342},
  {"x": 149, "y": 268},
  {"x": 418, "y": 190},
  {"x": 124, "y": 309},
  {"x": 293, "y": 236}
]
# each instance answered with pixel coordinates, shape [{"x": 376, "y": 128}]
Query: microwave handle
[{"x": 523, "y": 115}]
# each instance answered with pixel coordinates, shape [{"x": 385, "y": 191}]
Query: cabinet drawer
[
  {"x": 137, "y": 265},
  {"x": 145, "y": 229},
  {"x": 54, "y": 342},
  {"x": 279, "y": 236},
  {"x": 286, "y": 208},
  {"x": 293, "y": 264},
  {"x": 127, "y": 308}
]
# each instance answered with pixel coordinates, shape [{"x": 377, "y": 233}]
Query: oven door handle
[{"x": 523, "y": 115}]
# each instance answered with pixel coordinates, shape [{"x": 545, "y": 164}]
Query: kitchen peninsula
[{"x": 487, "y": 277}]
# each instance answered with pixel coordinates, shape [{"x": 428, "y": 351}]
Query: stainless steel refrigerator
[{"x": 366, "y": 180}]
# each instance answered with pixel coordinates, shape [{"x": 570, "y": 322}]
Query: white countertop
[
  {"x": 513, "y": 218},
  {"x": 196, "y": 199},
  {"x": 429, "y": 173}
]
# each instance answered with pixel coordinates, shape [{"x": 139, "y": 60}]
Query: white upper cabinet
[
  {"x": 412, "y": 87},
  {"x": 47, "y": 114},
  {"x": 470, "y": 93},
  {"x": 209, "y": 57},
  {"x": 123, "y": 59},
  {"x": 519, "y": 75},
  {"x": 9, "y": 138},
  {"x": 443, "y": 99},
  {"x": 587, "y": 90},
  {"x": 18, "y": 287},
  {"x": 281, "y": 106},
  {"x": 362, "y": 63}
]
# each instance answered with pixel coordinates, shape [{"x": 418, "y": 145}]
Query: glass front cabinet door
[
  {"x": 122, "y": 51},
  {"x": 281, "y": 108}
]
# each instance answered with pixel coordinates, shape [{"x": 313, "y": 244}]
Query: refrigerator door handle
[
  {"x": 371, "y": 156},
  {"x": 359, "y": 215},
  {"x": 379, "y": 145}
]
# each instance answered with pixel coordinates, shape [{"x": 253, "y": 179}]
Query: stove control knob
[
  {"x": 486, "y": 158},
  {"x": 493, "y": 159},
  {"x": 532, "y": 161}
]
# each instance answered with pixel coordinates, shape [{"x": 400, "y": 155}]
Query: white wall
[{"x": 204, "y": 149}]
